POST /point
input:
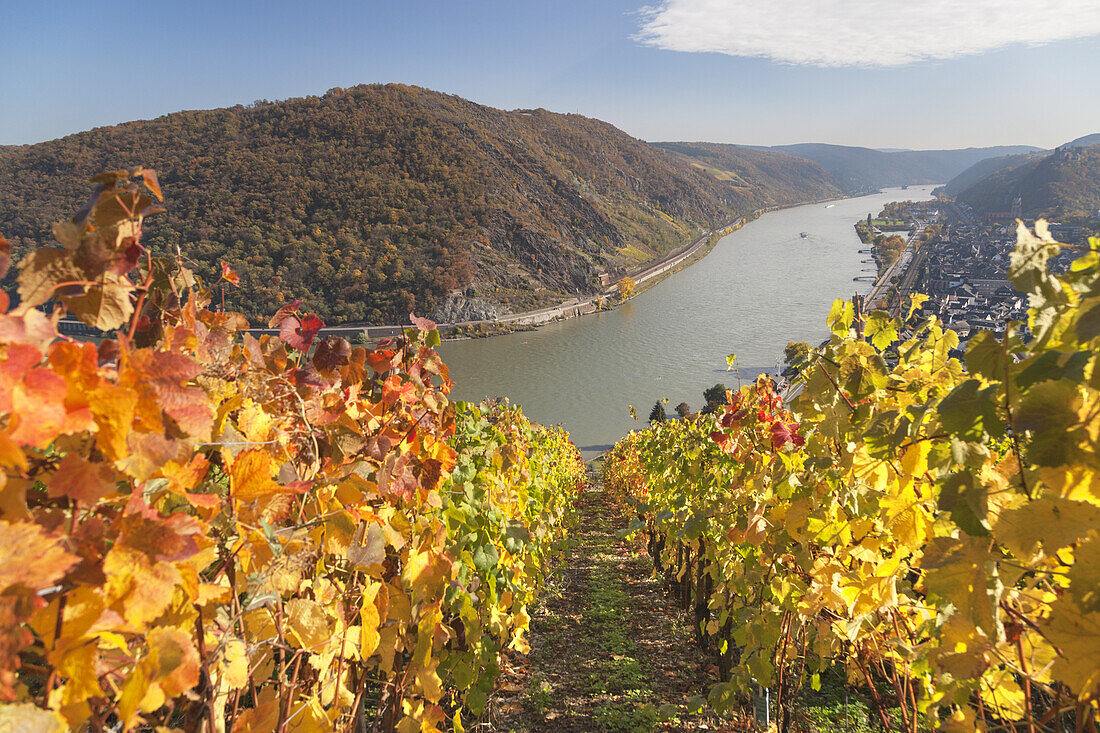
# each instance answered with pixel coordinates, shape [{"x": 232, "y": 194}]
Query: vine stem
[
  {"x": 344, "y": 636},
  {"x": 145, "y": 285},
  {"x": 1027, "y": 683},
  {"x": 208, "y": 704},
  {"x": 284, "y": 699},
  {"x": 1015, "y": 434},
  {"x": 52, "y": 679},
  {"x": 910, "y": 695},
  {"x": 836, "y": 386},
  {"x": 874, "y": 693}
]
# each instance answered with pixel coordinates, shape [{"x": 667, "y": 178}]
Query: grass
[
  {"x": 834, "y": 708},
  {"x": 626, "y": 697}
]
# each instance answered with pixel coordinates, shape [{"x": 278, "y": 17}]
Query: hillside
[
  {"x": 987, "y": 167},
  {"x": 372, "y": 201},
  {"x": 763, "y": 177},
  {"x": 1063, "y": 184},
  {"x": 1084, "y": 141},
  {"x": 377, "y": 200},
  {"x": 863, "y": 169}
]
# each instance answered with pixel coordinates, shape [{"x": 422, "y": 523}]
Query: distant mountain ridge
[
  {"x": 1064, "y": 183},
  {"x": 858, "y": 169},
  {"x": 1083, "y": 142},
  {"x": 984, "y": 168},
  {"x": 376, "y": 200}
]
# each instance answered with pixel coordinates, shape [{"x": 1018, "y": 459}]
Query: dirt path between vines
[{"x": 610, "y": 651}]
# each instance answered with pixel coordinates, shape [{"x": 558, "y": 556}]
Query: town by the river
[{"x": 760, "y": 287}]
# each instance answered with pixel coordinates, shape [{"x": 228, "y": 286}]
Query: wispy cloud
[{"x": 863, "y": 32}]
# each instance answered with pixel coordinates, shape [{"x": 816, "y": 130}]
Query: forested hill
[
  {"x": 862, "y": 169},
  {"x": 765, "y": 177},
  {"x": 373, "y": 201},
  {"x": 1063, "y": 184},
  {"x": 987, "y": 167}
]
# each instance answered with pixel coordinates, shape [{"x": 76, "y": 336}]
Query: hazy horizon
[{"x": 876, "y": 74}]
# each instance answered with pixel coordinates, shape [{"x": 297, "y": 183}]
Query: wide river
[{"x": 760, "y": 287}]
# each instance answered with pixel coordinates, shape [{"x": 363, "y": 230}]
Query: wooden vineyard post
[{"x": 857, "y": 307}]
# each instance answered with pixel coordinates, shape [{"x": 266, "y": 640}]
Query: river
[{"x": 760, "y": 287}]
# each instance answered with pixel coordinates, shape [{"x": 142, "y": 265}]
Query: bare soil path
[{"x": 610, "y": 651}]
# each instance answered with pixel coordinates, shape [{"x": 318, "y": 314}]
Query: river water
[{"x": 760, "y": 287}]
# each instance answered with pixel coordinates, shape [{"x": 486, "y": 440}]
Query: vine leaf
[
  {"x": 1077, "y": 634},
  {"x": 30, "y": 557},
  {"x": 230, "y": 276},
  {"x": 40, "y": 274},
  {"x": 106, "y": 305},
  {"x": 81, "y": 480}
]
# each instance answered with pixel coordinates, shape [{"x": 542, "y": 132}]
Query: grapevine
[
  {"x": 927, "y": 525},
  {"x": 201, "y": 530}
]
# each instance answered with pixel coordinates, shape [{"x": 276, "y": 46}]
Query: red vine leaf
[
  {"x": 422, "y": 324},
  {"x": 287, "y": 311},
  {"x": 229, "y": 275},
  {"x": 783, "y": 433}
]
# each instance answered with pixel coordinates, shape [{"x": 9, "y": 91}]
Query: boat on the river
[{"x": 804, "y": 234}]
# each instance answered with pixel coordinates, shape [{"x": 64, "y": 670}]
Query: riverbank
[{"x": 645, "y": 277}]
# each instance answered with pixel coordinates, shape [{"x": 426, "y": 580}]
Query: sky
[{"x": 878, "y": 73}]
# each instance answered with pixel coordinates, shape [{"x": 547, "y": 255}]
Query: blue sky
[{"x": 696, "y": 74}]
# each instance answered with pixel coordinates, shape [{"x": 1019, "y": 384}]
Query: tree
[
  {"x": 627, "y": 287},
  {"x": 796, "y": 353},
  {"x": 683, "y": 409},
  {"x": 890, "y": 249},
  {"x": 714, "y": 397},
  {"x": 657, "y": 414}
]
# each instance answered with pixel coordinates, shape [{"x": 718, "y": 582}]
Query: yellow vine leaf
[
  {"x": 1077, "y": 482},
  {"x": 961, "y": 720},
  {"x": 263, "y": 717},
  {"x": 962, "y": 648},
  {"x": 308, "y": 624},
  {"x": 141, "y": 590},
  {"x": 78, "y": 667},
  {"x": 425, "y": 572},
  {"x": 255, "y": 424},
  {"x": 1049, "y": 521},
  {"x": 173, "y": 661},
  {"x": 1076, "y": 634},
  {"x": 1002, "y": 693},
  {"x": 113, "y": 410},
  {"x": 907, "y": 519},
  {"x": 234, "y": 664},
  {"x": 961, "y": 570},
  {"x": 29, "y": 718},
  {"x": 1084, "y": 576},
  {"x": 309, "y": 716},
  {"x": 250, "y": 476}
]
